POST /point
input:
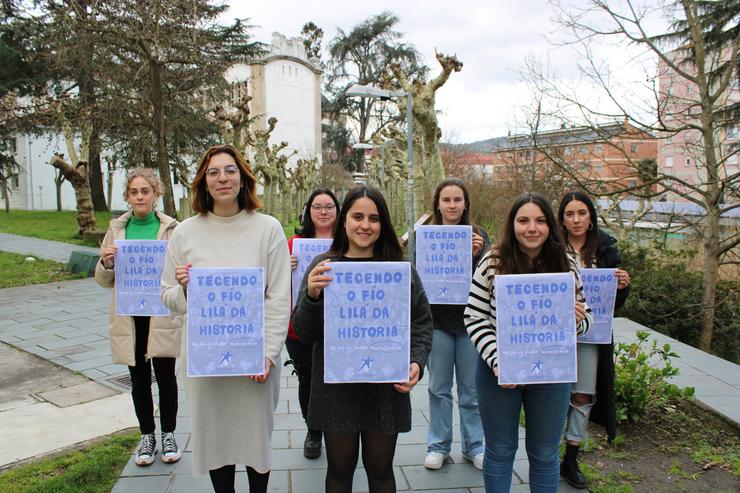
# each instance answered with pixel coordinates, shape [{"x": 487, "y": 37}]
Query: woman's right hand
[
  {"x": 293, "y": 262},
  {"x": 504, "y": 385},
  {"x": 108, "y": 256},
  {"x": 182, "y": 276},
  {"x": 317, "y": 281}
]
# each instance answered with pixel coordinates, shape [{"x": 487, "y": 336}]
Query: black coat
[
  {"x": 355, "y": 407},
  {"x": 604, "y": 411}
]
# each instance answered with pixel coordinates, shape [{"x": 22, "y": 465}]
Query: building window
[
  {"x": 688, "y": 88},
  {"x": 688, "y": 162},
  {"x": 669, "y": 162},
  {"x": 633, "y": 148},
  {"x": 733, "y": 132},
  {"x": 598, "y": 148},
  {"x": 583, "y": 149},
  {"x": 14, "y": 181},
  {"x": 529, "y": 154},
  {"x": 568, "y": 151},
  {"x": 598, "y": 167}
]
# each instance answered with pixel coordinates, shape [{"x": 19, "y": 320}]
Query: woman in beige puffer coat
[{"x": 142, "y": 342}]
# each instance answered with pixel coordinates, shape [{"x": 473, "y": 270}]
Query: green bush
[
  {"x": 665, "y": 295},
  {"x": 640, "y": 378}
]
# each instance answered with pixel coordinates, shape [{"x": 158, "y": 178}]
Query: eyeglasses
[
  {"x": 230, "y": 170},
  {"x": 327, "y": 208}
]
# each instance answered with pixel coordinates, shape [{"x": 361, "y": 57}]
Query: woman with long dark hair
[
  {"x": 371, "y": 413},
  {"x": 317, "y": 221},
  {"x": 452, "y": 352},
  {"x": 591, "y": 247},
  {"x": 232, "y": 417},
  {"x": 531, "y": 244}
]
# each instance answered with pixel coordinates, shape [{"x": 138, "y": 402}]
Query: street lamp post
[
  {"x": 363, "y": 91},
  {"x": 365, "y": 145}
]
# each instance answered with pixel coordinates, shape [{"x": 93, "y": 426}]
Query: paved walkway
[
  {"x": 67, "y": 324},
  {"x": 52, "y": 250}
]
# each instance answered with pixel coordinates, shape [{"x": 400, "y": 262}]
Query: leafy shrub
[
  {"x": 640, "y": 377},
  {"x": 665, "y": 295}
]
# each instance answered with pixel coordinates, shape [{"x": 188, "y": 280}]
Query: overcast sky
[{"x": 491, "y": 38}]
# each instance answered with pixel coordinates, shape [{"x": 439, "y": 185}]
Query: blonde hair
[{"x": 149, "y": 175}]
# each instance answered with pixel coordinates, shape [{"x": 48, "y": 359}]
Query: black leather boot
[
  {"x": 312, "y": 445},
  {"x": 569, "y": 469}
]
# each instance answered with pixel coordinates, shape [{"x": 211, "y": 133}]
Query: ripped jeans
[{"x": 577, "y": 421}]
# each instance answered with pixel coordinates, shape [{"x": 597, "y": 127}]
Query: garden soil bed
[{"x": 681, "y": 448}]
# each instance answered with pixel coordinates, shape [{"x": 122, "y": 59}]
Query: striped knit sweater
[{"x": 480, "y": 313}]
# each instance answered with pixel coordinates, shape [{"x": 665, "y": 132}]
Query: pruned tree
[
  {"x": 428, "y": 169},
  {"x": 690, "y": 96}
]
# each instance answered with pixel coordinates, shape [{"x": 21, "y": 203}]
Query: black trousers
[
  {"x": 301, "y": 355},
  {"x": 141, "y": 384}
]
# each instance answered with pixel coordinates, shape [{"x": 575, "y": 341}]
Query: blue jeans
[
  {"x": 545, "y": 407},
  {"x": 453, "y": 352}
]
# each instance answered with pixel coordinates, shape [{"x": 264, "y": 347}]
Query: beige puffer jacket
[{"x": 164, "y": 332}]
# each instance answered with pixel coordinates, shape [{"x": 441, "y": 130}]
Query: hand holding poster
[
  {"x": 305, "y": 249},
  {"x": 138, "y": 268},
  {"x": 444, "y": 260},
  {"x": 600, "y": 288},
  {"x": 367, "y": 322},
  {"x": 226, "y": 322},
  {"x": 535, "y": 328}
]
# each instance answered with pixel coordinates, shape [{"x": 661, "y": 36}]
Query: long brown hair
[
  {"x": 387, "y": 246},
  {"x": 589, "y": 250},
  {"x": 510, "y": 259},
  {"x": 203, "y": 202},
  {"x": 452, "y": 182}
]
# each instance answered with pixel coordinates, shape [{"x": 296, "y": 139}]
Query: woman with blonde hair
[{"x": 144, "y": 342}]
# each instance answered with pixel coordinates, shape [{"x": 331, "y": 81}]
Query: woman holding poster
[
  {"x": 317, "y": 221},
  {"x": 232, "y": 417},
  {"x": 452, "y": 350},
  {"x": 591, "y": 247},
  {"x": 142, "y": 342},
  {"x": 531, "y": 244},
  {"x": 373, "y": 413}
]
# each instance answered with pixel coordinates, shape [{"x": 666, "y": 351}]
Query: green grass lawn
[
  {"x": 94, "y": 469},
  {"x": 62, "y": 226},
  {"x": 49, "y": 225},
  {"x": 15, "y": 271}
]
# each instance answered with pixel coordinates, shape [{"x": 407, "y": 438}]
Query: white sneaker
[
  {"x": 170, "y": 451},
  {"x": 435, "y": 460},
  {"x": 146, "y": 450},
  {"x": 477, "y": 460}
]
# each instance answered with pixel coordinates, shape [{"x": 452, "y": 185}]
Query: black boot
[
  {"x": 569, "y": 468},
  {"x": 312, "y": 445}
]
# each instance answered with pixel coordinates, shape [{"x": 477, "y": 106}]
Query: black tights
[
  {"x": 342, "y": 450},
  {"x": 222, "y": 479}
]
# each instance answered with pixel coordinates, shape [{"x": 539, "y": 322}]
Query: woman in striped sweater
[{"x": 531, "y": 244}]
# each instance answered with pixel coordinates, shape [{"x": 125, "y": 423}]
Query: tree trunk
[
  {"x": 165, "y": 174},
  {"x": 96, "y": 173},
  {"x": 58, "y": 180},
  {"x": 709, "y": 281},
  {"x": 78, "y": 177},
  {"x": 6, "y": 194}
]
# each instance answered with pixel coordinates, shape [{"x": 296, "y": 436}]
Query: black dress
[{"x": 356, "y": 407}]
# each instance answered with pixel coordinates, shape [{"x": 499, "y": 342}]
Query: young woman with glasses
[
  {"x": 317, "y": 221},
  {"x": 232, "y": 417}
]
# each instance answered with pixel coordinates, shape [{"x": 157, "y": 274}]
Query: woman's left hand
[
  {"x": 477, "y": 244},
  {"x": 263, "y": 378},
  {"x": 580, "y": 311},
  {"x": 623, "y": 278},
  {"x": 406, "y": 387}
]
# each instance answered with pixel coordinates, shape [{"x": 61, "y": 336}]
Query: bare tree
[{"x": 698, "y": 51}]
